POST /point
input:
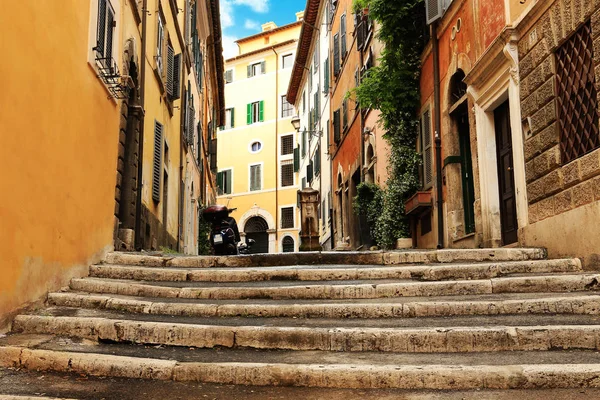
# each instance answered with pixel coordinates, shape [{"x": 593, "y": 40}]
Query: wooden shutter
[
  {"x": 303, "y": 143},
  {"x": 336, "y": 54},
  {"x": 336, "y": 126},
  {"x": 229, "y": 76},
  {"x": 345, "y": 114},
  {"x": 255, "y": 177},
  {"x": 427, "y": 150},
  {"x": 263, "y": 67},
  {"x": 318, "y": 160},
  {"x": 249, "y": 114},
  {"x": 228, "y": 180},
  {"x": 157, "y": 161},
  {"x": 101, "y": 32},
  {"x": 176, "y": 77},
  {"x": 232, "y": 118},
  {"x": 326, "y": 73},
  {"x": 191, "y": 116},
  {"x": 296, "y": 159},
  {"x": 249, "y": 71},
  {"x": 309, "y": 171},
  {"x": 343, "y": 36},
  {"x": 170, "y": 70},
  {"x": 213, "y": 154},
  {"x": 261, "y": 112}
]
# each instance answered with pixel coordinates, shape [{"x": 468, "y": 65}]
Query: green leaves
[{"x": 393, "y": 88}]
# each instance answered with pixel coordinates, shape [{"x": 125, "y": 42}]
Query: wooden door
[{"x": 506, "y": 176}]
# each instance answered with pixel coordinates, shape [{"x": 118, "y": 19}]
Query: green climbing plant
[{"x": 392, "y": 87}]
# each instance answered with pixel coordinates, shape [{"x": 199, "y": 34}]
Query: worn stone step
[
  {"x": 456, "y": 371},
  {"x": 342, "y": 289},
  {"x": 338, "y": 272},
  {"x": 309, "y": 258},
  {"x": 579, "y": 303},
  {"x": 28, "y": 383},
  {"x": 324, "y": 335}
]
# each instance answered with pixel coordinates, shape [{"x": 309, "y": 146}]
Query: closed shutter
[
  {"x": 199, "y": 149},
  {"x": 318, "y": 160},
  {"x": 228, "y": 180},
  {"x": 213, "y": 154},
  {"x": 263, "y": 67},
  {"x": 184, "y": 120},
  {"x": 261, "y": 111},
  {"x": 170, "y": 70},
  {"x": 255, "y": 177},
  {"x": 249, "y": 71},
  {"x": 427, "y": 150},
  {"x": 176, "y": 77},
  {"x": 157, "y": 161},
  {"x": 303, "y": 143},
  {"x": 358, "y": 30},
  {"x": 343, "y": 36},
  {"x": 101, "y": 32},
  {"x": 188, "y": 22},
  {"x": 336, "y": 54},
  {"x": 249, "y": 114},
  {"x": 229, "y": 76},
  {"x": 345, "y": 114},
  {"x": 336, "y": 126},
  {"x": 309, "y": 171},
  {"x": 326, "y": 78},
  {"x": 232, "y": 122},
  {"x": 296, "y": 159},
  {"x": 191, "y": 123},
  {"x": 317, "y": 105}
]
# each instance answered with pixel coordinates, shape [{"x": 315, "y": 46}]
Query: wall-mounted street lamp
[{"x": 296, "y": 124}]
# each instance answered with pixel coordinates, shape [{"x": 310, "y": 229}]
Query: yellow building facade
[
  {"x": 84, "y": 86},
  {"x": 256, "y": 171}
]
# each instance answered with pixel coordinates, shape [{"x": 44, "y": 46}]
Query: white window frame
[
  {"x": 279, "y": 140},
  {"x": 283, "y": 56},
  {"x": 228, "y": 114},
  {"x": 284, "y": 99},
  {"x": 255, "y": 141},
  {"x": 294, "y": 174},
  {"x": 255, "y": 111},
  {"x": 262, "y": 176}
]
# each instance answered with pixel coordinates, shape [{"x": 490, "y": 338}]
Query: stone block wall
[{"x": 554, "y": 188}]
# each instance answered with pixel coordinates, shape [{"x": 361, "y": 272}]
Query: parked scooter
[{"x": 224, "y": 233}]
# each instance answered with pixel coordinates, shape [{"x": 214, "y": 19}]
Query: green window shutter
[
  {"x": 157, "y": 161},
  {"x": 326, "y": 76},
  {"x": 232, "y": 118},
  {"x": 336, "y": 54},
  {"x": 249, "y": 115},
  {"x": 220, "y": 181},
  {"x": 249, "y": 70},
  {"x": 309, "y": 171},
  {"x": 261, "y": 112},
  {"x": 101, "y": 32},
  {"x": 343, "y": 36},
  {"x": 263, "y": 67},
  {"x": 318, "y": 160},
  {"x": 336, "y": 126},
  {"x": 303, "y": 143},
  {"x": 228, "y": 181},
  {"x": 296, "y": 159}
]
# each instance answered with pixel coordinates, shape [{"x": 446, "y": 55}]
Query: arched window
[
  {"x": 458, "y": 87},
  {"x": 255, "y": 225},
  {"x": 288, "y": 244}
]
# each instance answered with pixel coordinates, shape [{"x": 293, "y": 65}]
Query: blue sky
[{"x": 241, "y": 18}]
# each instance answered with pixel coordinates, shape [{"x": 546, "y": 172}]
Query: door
[
  {"x": 466, "y": 169},
  {"x": 506, "y": 175},
  {"x": 256, "y": 229}
]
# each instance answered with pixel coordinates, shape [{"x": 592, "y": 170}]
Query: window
[
  {"x": 229, "y": 76},
  {"x": 336, "y": 126},
  {"x": 255, "y": 112},
  {"x": 316, "y": 58},
  {"x": 426, "y": 150},
  {"x": 336, "y": 54},
  {"x": 160, "y": 42},
  {"x": 287, "y": 217},
  {"x": 287, "y": 145},
  {"x": 104, "y": 33},
  {"x": 256, "y": 69},
  {"x": 345, "y": 114},
  {"x": 255, "y": 177},
  {"x": 577, "y": 96},
  {"x": 287, "y": 110},
  {"x": 229, "y": 118},
  {"x": 326, "y": 77},
  {"x": 173, "y": 74},
  {"x": 287, "y": 173},
  {"x": 287, "y": 61},
  {"x": 255, "y": 147},
  {"x": 288, "y": 245},
  {"x": 224, "y": 181}
]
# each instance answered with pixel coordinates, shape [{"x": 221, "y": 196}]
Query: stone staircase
[{"x": 417, "y": 320}]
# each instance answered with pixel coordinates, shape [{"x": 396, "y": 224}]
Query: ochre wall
[{"x": 59, "y": 151}]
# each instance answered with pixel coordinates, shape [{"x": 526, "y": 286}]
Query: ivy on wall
[{"x": 392, "y": 87}]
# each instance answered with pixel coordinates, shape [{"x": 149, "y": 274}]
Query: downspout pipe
[
  {"x": 140, "y": 174},
  {"x": 276, "y": 148},
  {"x": 438, "y": 136}
]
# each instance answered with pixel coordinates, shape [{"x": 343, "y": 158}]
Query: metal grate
[
  {"x": 287, "y": 145},
  {"x": 287, "y": 173},
  {"x": 577, "y": 96},
  {"x": 287, "y": 217},
  {"x": 288, "y": 244}
]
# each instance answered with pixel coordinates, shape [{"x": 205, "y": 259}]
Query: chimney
[
  {"x": 300, "y": 16},
  {"x": 269, "y": 26}
]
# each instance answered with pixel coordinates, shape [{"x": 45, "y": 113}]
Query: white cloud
[
  {"x": 251, "y": 24},
  {"x": 259, "y": 6},
  {"x": 226, "y": 14},
  {"x": 230, "y": 48}
]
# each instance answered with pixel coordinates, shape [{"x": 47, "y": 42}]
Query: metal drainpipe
[
  {"x": 182, "y": 122},
  {"x": 276, "y": 147},
  {"x": 438, "y": 136},
  {"x": 140, "y": 175}
]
